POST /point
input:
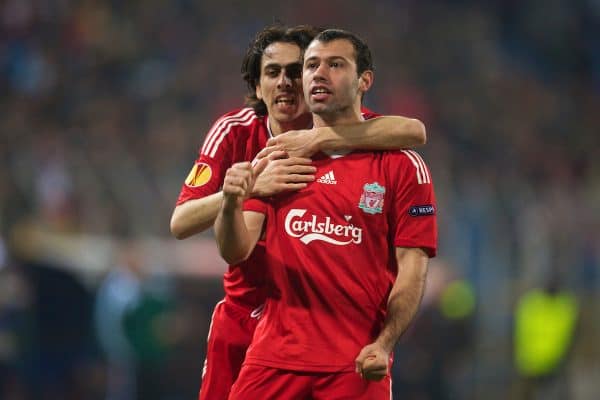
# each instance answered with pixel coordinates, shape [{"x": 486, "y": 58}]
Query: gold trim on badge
[{"x": 199, "y": 175}]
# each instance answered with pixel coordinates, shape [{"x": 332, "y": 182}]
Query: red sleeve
[
  {"x": 413, "y": 219},
  {"x": 214, "y": 157},
  {"x": 257, "y": 205}
]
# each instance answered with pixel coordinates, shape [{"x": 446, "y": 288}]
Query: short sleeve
[
  {"x": 256, "y": 205},
  {"x": 413, "y": 219},
  {"x": 215, "y": 156}
]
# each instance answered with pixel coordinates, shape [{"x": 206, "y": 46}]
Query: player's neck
[
  {"x": 302, "y": 122},
  {"x": 340, "y": 117}
]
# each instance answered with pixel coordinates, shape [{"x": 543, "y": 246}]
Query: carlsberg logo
[{"x": 320, "y": 229}]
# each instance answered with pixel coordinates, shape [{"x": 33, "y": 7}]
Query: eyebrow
[
  {"x": 277, "y": 65},
  {"x": 332, "y": 58}
]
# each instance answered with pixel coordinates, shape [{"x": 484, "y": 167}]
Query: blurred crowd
[{"x": 104, "y": 104}]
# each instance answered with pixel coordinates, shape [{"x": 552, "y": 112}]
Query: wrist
[
  {"x": 324, "y": 139},
  {"x": 386, "y": 344},
  {"x": 256, "y": 191},
  {"x": 230, "y": 204}
]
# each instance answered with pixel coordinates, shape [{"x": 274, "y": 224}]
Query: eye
[
  {"x": 294, "y": 71},
  {"x": 334, "y": 64},
  {"x": 311, "y": 65}
]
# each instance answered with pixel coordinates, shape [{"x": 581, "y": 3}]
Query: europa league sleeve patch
[
  {"x": 420, "y": 211},
  {"x": 199, "y": 175}
]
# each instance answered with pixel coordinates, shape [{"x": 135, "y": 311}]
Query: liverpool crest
[{"x": 371, "y": 200}]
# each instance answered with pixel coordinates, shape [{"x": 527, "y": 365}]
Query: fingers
[
  {"x": 296, "y": 161},
  {"x": 293, "y": 186},
  {"x": 298, "y": 178},
  {"x": 269, "y": 150},
  {"x": 260, "y": 166},
  {"x": 296, "y": 165},
  {"x": 371, "y": 363},
  {"x": 374, "y": 375},
  {"x": 299, "y": 169},
  {"x": 358, "y": 362},
  {"x": 273, "y": 142},
  {"x": 237, "y": 179},
  {"x": 278, "y": 154}
]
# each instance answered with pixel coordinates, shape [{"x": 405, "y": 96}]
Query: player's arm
[
  {"x": 382, "y": 133},
  {"x": 403, "y": 302},
  {"x": 237, "y": 231},
  {"x": 281, "y": 174},
  {"x": 195, "y": 216}
]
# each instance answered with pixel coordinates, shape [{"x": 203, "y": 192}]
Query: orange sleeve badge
[{"x": 199, "y": 175}]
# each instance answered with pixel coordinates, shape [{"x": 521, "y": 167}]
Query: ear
[
  {"x": 365, "y": 81},
  {"x": 258, "y": 91}
]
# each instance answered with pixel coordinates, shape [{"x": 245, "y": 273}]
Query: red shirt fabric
[
  {"x": 234, "y": 137},
  {"x": 331, "y": 259}
]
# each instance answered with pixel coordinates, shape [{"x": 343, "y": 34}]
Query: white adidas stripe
[
  {"x": 218, "y": 126},
  {"x": 217, "y": 130},
  {"x": 416, "y": 164},
  {"x": 427, "y": 177},
  {"x": 246, "y": 123},
  {"x": 422, "y": 172}
]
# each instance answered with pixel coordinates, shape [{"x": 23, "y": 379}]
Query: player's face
[
  {"x": 280, "y": 84},
  {"x": 331, "y": 83}
]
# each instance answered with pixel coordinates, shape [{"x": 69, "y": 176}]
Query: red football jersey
[
  {"x": 235, "y": 137},
  {"x": 331, "y": 257}
]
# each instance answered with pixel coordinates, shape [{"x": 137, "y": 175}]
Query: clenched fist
[
  {"x": 372, "y": 362},
  {"x": 239, "y": 182}
]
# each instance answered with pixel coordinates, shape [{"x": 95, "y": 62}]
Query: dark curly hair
[{"x": 300, "y": 35}]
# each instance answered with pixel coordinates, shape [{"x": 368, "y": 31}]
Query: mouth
[
  {"x": 285, "y": 100},
  {"x": 319, "y": 93}
]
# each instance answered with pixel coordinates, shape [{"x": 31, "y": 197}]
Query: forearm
[
  {"x": 195, "y": 216},
  {"x": 232, "y": 235},
  {"x": 402, "y": 307},
  {"x": 382, "y": 133},
  {"x": 405, "y": 297}
]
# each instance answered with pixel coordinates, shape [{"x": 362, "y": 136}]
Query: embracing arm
[
  {"x": 403, "y": 303},
  {"x": 195, "y": 216},
  {"x": 382, "y": 133},
  {"x": 281, "y": 174}
]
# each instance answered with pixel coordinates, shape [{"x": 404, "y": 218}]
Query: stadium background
[{"x": 104, "y": 103}]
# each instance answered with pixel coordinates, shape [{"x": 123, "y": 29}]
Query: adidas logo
[{"x": 328, "y": 178}]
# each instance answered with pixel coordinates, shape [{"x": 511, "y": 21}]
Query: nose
[
  {"x": 320, "y": 73},
  {"x": 284, "y": 81}
]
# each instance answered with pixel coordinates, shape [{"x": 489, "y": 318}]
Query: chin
[
  {"x": 285, "y": 117},
  {"x": 318, "y": 108}
]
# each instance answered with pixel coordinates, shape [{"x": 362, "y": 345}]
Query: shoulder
[
  {"x": 233, "y": 125},
  {"x": 238, "y": 117},
  {"x": 410, "y": 161}
]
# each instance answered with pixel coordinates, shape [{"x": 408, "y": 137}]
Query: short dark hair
[
  {"x": 300, "y": 35},
  {"x": 362, "y": 53}
]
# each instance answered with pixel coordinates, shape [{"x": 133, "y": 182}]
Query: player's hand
[
  {"x": 239, "y": 182},
  {"x": 300, "y": 143},
  {"x": 372, "y": 362},
  {"x": 283, "y": 173}
]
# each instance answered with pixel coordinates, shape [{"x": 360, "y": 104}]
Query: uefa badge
[{"x": 371, "y": 200}]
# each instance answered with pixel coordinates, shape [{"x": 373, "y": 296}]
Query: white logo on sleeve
[
  {"x": 315, "y": 228},
  {"x": 328, "y": 179}
]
